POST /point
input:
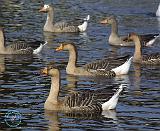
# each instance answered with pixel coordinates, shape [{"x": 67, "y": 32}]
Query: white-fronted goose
[
  {"x": 77, "y": 101},
  {"x": 115, "y": 39},
  {"x": 62, "y": 26},
  {"x": 96, "y": 68},
  {"x": 17, "y": 48},
  {"x": 152, "y": 59},
  {"x": 158, "y": 11}
]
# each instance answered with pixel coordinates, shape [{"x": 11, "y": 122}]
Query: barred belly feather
[{"x": 152, "y": 59}]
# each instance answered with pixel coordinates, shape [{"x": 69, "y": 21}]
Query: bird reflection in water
[{"x": 56, "y": 118}]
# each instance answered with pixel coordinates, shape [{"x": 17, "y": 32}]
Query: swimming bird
[
  {"x": 117, "y": 40},
  {"x": 17, "y": 48},
  {"x": 101, "y": 67},
  {"x": 151, "y": 59},
  {"x": 83, "y": 102},
  {"x": 61, "y": 26}
]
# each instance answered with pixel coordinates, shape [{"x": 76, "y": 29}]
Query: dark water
[{"x": 22, "y": 88}]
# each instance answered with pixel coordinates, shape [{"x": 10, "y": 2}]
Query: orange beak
[
  {"x": 104, "y": 21},
  {"x": 43, "y": 10},
  {"x": 59, "y": 48},
  {"x": 44, "y": 71}
]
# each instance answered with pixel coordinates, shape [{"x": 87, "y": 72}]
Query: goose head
[
  {"x": 132, "y": 36},
  {"x": 66, "y": 46},
  {"x": 46, "y": 8},
  {"x": 50, "y": 71},
  {"x": 108, "y": 20}
]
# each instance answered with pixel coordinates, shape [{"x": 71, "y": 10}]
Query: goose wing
[
  {"x": 82, "y": 102},
  {"x": 19, "y": 48},
  {"x": 148, "y": 37},
  {"x": 65, "y": 26},
  {"x": 106, "y": 64},
  {"x": 61, "y": 24}
]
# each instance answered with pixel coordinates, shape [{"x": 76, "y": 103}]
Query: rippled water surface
[{"x": 23, "y": 89}]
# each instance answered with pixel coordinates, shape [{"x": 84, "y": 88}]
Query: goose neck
[
  {"x": 49, "y": 22},
  {"x": 2, "y": 41},
  {"x": 71, "y": 66},
  {"x": 54, "y": 91},
  {"x": 138, "y": 51},
  {"x": 114, "y": 26}
]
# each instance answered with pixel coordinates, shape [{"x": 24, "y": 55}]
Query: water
[{"x": 25, "y": 90}]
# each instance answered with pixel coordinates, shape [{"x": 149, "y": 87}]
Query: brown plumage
[
  {"x": 101, "y": 67},
  {"x": 61, "y": 26},
  {"x": 84, "y": 102},
  {"x": 116, "y": 39},
  {"x": 16, "y": 48},
  {"x": 152, "y": 59}
]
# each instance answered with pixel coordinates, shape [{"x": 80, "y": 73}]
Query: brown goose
[
  {"x": 61, "y": 26},
  {"x": 152, "y": 59},
  {"x": 17, "y": 48},
  {"x": 115, "y": 39},
  {"x": 75, "y": 102},
  {"x": 96, "y": 68}
]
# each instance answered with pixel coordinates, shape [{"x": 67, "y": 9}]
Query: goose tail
[
  {"x": 124, "y": 68},
  {"x": 149, "y": 43},
  {"x": 87, "y": 18},
  {"x": 39, "y": 49},
  {"x": 112, "y": 102},
  {"x": 83, "y": 26}
]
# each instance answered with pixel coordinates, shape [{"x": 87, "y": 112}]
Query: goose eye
[
  {"x": 50, "y": 68},
  {"x": 46, "y": 6}
]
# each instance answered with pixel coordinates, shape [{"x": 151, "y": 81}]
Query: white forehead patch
[{"x": 46, "y": 6}]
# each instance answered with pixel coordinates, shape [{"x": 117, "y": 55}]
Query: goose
[
  {"x": 101, "y": 67},
  {"x": 115, "y": 39},
  {"x": 83, "y": 102},
  {"x": 61, "y": 26},
  {"x": 158, "y": 11},
  {"x": 17, "y": 48},
  {"x": 151, "y": 59}
]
